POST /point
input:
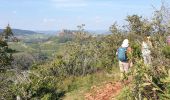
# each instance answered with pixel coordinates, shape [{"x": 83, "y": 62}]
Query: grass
[
  {"x": 20, "y": 47},
  {"x": 35, "y": 47},
  {"x": 82, "y": 85}
]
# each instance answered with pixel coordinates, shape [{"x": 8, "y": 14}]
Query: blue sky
[{"x": 67, "y": 14}]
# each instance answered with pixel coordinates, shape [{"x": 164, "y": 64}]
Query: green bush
[
  {"x": 136, "y": 53},
  {"x": 166, "y": 51}
]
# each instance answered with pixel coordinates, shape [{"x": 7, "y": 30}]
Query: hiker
[
  {"x": 124, "y": 62},
  {"x": 146, "y": 50}
]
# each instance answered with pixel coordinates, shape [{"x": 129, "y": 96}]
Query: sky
[{"x": 67, "y": 14}]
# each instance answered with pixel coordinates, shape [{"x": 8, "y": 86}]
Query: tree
[
  {"x": 5, "y": 52},
  {"x": 161, "y": 19},
  {"x": 5, "y": 55},
  {"x": 5, "y": 62},
  {"x": 139, "y": 26},
  {"x": 135, "y": 24},
  {"x": 114, "y": 28},
  {"x": 81, "y": 34},
  {"x": 7, "y": 32}
]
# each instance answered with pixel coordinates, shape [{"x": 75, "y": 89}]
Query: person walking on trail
[
  {"x": 146, "y": 50},
  {"x": 124, "y": 61}
]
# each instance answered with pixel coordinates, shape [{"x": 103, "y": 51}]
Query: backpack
[{"x": 122, "y": 56}]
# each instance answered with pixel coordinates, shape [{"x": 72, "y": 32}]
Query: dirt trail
[{"x": 108, "y": 91}]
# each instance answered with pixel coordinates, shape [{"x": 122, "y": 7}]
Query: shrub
[{"x": 166, "y": 51}]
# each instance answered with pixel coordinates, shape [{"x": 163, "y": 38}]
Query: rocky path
[{"x": 108, "y": 91}]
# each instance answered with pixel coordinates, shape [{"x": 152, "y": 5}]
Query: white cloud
[
  {"x": 49, "y": 20},
  {"x": 69, "y": 3}
]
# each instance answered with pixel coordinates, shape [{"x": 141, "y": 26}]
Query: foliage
[
  {"x": 114, "y": 28},
  {"x": 38, "y": 84},
  {"x": 5, "y": 51},
  {"x": 160, "y": 20},
  {"x": 90, "y": 55},
  {"x": 166, "y": 51},
  {"x": 5, "y": 55},
  {"x": 147, "y": 80},
  {"x": 22, "y": 61},
  {"x": 78, "y": 60},
  {"x": 125, "y": 93},
  {"x": 5, "y": 61},
  {"x": 135, "y": 24},
  {"x": 166, "y": 81},
  {"x": 5, "y": 85},
  {"x": 7, "y": 32}
]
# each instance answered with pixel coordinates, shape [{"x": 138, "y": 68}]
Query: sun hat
[{"x": 125, "y": 43}]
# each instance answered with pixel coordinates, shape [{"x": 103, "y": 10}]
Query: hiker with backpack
[
  {"x": 146, "y": 50},
  {"x": 124, "y": 61}
]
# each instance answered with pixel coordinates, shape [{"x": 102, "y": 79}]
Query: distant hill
[
  {"x": 28, "y": 36},
  {"x": 50, "y": 32},
  {"x": 19, "y": 32},
  {"x": 99, "y": 32}
]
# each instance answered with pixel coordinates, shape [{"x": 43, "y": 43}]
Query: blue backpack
[{"x": 122, "y": 56}]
